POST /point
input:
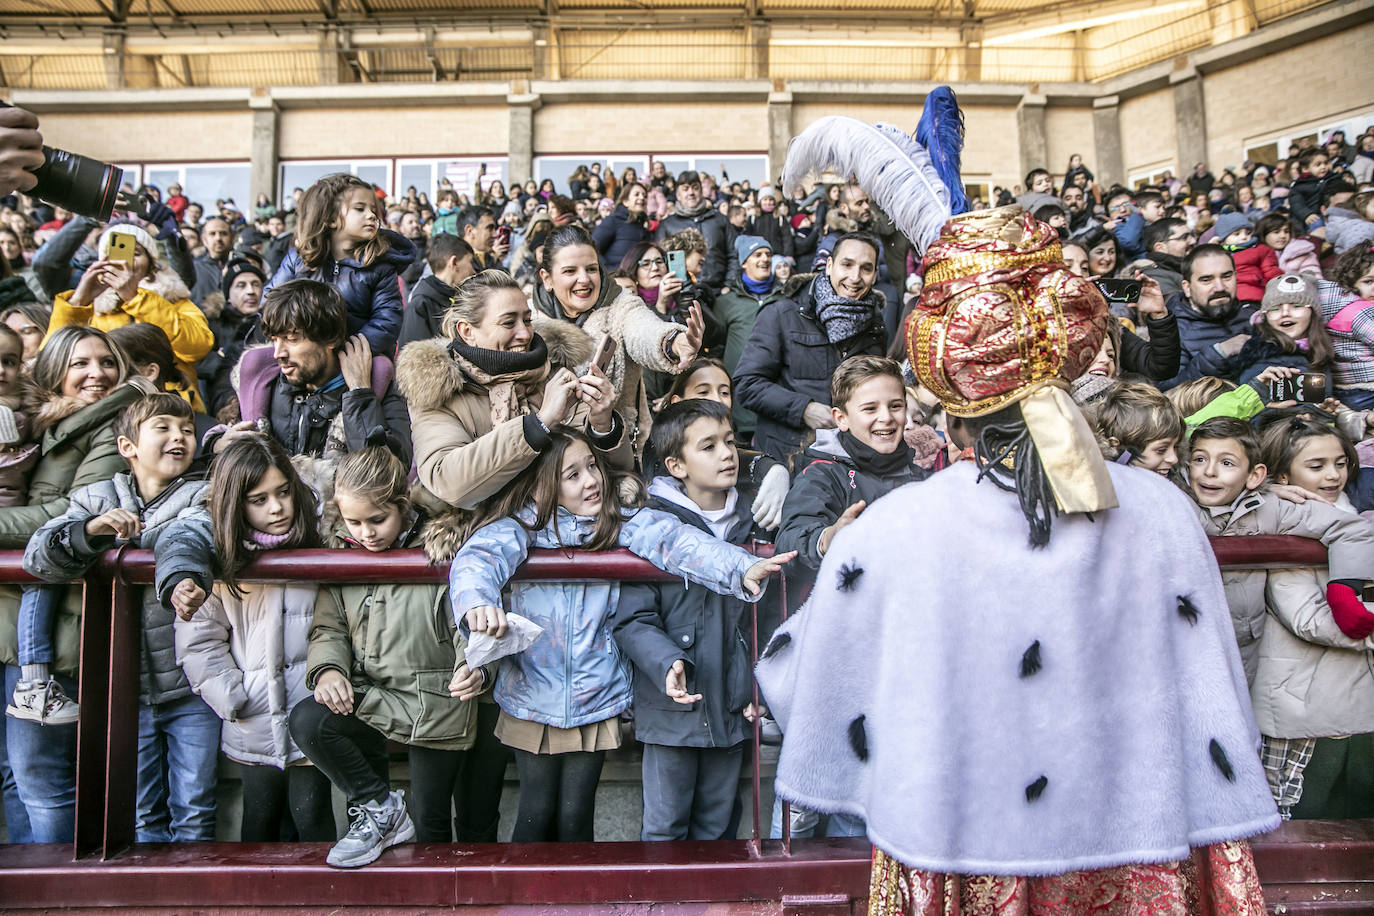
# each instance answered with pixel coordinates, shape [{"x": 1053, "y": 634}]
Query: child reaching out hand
[{"x": 560, "y": 697}]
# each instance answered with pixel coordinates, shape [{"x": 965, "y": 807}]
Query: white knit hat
[{"x": 140, "y": 235}]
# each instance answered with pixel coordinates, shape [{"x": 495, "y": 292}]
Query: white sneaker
[
  {"x": 375, "y": 828},
  {"x": 43, "y": 702}
]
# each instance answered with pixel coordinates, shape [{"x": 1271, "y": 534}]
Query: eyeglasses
[
  {"x": 1187, "y": 236},
  {"x": 652, "y": 262}
]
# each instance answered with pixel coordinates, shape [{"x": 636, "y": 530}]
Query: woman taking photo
[
  {"x": 573, "y": 291},
  {"x": 483, "y": 397},
  {"x": 78, "y": 389}
]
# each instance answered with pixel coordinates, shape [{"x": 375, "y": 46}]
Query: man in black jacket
[
  {"x": 450, "y": 258},
  {"x": 693, "y": 211},
  {"x": 218, "y": 240},
  {"x": 315, "y": 390},
  {"x": 233, "y": 327},
  {"x": 1166, "y": 242},
  {"x": 797, "y": 343}
]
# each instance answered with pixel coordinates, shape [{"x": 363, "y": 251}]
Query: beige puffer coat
[
  {"x": 1313, "y": 681},
  {"x": 246, "y": 657},
  {"x": 461, "y": 458}
]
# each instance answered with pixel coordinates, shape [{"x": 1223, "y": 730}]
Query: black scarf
[
  {"x": 502, "y": 362},
  {"x": 843, "y": 318},
  {"x": 899, "y": 462}
]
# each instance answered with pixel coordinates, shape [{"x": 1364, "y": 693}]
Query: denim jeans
[
  {"x": 16, "y": 818},
  {"x": 804, "y": 823},
  {"x": 178, "y": 757},
  {"x": 37, "y": 616},
  {"x": 43, "y": 758},
  {"x": 1356, "y": 398}
]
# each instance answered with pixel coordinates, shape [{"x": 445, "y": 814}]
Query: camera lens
[{"x": 78, "y": 183}]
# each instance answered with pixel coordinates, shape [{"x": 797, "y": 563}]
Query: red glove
[{"x": 1349, "y": 612}]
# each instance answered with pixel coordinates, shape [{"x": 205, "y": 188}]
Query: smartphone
[
  {"x": 1368, "y": 593},
  {"x": 677, "y": 264},
  {"x": 605, "y": 350},
  {"x": 503, "y": 233},
  {"x": 1118, "y": 290},
  {"x": 122, "y": 248},
  {"x": 1307, "y": 388}
]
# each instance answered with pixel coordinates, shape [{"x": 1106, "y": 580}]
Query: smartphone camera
[{"x": 1307, "y": 388}]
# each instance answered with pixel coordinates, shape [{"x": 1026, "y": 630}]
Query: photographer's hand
[{"x": 21, "y": 150}]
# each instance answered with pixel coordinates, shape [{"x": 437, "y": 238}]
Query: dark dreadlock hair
[{"x": 1009, "y": 458}]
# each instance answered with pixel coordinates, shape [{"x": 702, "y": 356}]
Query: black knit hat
[{"x": 236, "y": 267}]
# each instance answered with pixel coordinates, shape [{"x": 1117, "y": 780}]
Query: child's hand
[
  {"x": 334, "y": 693},
  {"x": 753, "y": 579},
  {"x": 487, "y": 619},
  {"x": 846, "y": 519},
  {"x": 187, "y": 598},
  {"x": 1293, "y": 493},
  {"x": 752, "y": 712},
  {"x": 121, "y": 523},
  {"x": 675, "y": 685},
  {"x": 239, "y": 430},
  {"x": 466, "y": 682}
]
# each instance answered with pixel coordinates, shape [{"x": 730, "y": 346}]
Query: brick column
[{"x": 1110, "y": 167}]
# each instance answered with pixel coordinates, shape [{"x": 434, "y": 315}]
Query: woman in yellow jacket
[{"x": 111, "y": 295}]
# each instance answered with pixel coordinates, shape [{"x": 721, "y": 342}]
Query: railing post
[
  {"x": 92, "y": 727},
  {"x": 121, "y": 748}
]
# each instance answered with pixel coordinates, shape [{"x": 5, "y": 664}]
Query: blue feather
[{"x": 941, "y": 132}]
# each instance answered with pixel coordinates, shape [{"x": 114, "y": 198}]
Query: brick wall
[
  {"x": 1069, "y": 131},
  {"x": 651, "y": 127},
  {"x": 1148, "y": 135},
  {"x": 323, "y": 133},
  {"x": 184, "y": 136}
]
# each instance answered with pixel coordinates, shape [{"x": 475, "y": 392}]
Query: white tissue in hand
[{"x": 484, "y": 648}]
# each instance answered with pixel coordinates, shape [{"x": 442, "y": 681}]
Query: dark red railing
[{"x": 1310, "y": 866}]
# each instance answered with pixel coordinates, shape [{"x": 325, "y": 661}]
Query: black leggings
[
  {"x": 557, "y": 796},
  {"x": 477, "y": 794},
  {"x": 352, "y": 754},
  {"x": 286, "y": 805}
]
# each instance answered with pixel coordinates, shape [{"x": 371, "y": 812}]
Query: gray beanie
[
  {"x": 1230, "y": 222},
  {"x": 1289, "y": 289}
]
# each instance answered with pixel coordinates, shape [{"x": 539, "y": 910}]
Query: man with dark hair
[
  {"x": 797, "y": 344},
  {"x": 233, "y": 327},
  {"x": 1081, "y": 219},
  {"x": 450, "y": 260},
  {"x": 314, "y": 389},
  {"x": 1166, "y": 242},
  {"x": 477, "y": 227},
  {"x": 1212, "y": 324},
  {"x": 693, "y": 211},
  {"x": 1148, "y": 208},
  {"x": 218, "y": 239}
]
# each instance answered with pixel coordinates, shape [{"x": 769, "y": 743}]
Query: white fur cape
[{"x": 992, "y": 709}]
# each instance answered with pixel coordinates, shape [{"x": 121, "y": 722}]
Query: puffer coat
[
  {"x": 61, "y": 551},
  {"x": 574, "y": 674},
  {"x": 372, "y": 294}
]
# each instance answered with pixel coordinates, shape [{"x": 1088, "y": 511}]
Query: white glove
[{"x": 772, "y": 493}]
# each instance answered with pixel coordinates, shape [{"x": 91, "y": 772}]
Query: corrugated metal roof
[
  {"x": 637, "y": 54},
  {"x": 844, "y": 63}
]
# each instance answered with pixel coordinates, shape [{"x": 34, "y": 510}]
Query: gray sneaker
[
  {"x": 375, "y": 828},
  {"x": 43, "y": 702}
]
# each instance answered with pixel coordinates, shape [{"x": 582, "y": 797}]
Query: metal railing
[{"x": 107, "y": 731}]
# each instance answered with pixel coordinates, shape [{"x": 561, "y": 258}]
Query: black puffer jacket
[
  {"x": 655, "y": 624},
  {"x": 429, "y": 299},
  {"x": 788, "y": 362},
  {"x": 714, "y": 228}
]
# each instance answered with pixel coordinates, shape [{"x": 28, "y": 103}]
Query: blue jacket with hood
[
  {"x": 372, "y": 294},
  {"x": 574, "y": 674}
]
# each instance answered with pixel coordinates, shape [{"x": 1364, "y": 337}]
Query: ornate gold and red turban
[{"x": 1002, "y": 321}]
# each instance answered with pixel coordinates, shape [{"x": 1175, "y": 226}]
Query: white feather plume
[{"x": 894, "y": 169}]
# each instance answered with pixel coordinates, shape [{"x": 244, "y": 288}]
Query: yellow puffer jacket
[{"x": 163, "y": 301}]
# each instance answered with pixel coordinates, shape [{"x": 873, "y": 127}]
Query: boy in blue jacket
[{"x": 693, "y": 681}]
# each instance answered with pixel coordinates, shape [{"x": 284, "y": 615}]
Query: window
[
  {"x": 1271, "y": 148},
  {"x": 303, "y": 173},
  {"x": 203, "y": 182},
  {"x": 425, "y": 174}
]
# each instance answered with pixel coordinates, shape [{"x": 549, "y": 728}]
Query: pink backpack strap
[{"x": 1344, "y": 320}]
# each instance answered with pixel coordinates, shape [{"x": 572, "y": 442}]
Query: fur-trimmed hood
[
  {"x": 47, "y": 409},
  {"x": 428, "y": 376},
  {"x": 164, "y": 282},
  {"x": 213, "y": 305}
]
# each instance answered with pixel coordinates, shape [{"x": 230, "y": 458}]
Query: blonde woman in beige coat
[
  {"x": 483, "y": 399},
  {"x": 573, "y": 292}
]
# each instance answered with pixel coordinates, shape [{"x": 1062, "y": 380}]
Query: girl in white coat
[
  {"x": 244, "y": 650},
  {"x": 1315, "y": 677}
]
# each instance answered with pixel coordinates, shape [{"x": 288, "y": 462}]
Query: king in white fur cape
[{"x": 988, "y": 708}]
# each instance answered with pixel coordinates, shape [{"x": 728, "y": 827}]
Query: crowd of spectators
[{"x": 529, "y": 367}]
